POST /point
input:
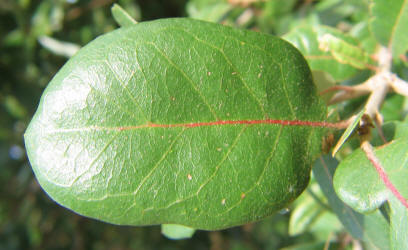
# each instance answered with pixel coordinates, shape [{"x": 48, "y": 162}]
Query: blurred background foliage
[{"x": 37, "y": 37}]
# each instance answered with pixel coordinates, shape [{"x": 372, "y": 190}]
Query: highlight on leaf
[
  {"x": 164, "y": 123},
  {"x": 195, "y": 125}
]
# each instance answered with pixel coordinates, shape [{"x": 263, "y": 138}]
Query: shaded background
[{"x": 29, "y": 219}]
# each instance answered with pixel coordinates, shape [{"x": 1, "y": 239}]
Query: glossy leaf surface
[
  {"x": 368, "y": 195},
  {"x": 372, "y": 228},
  {"x": 165, "y": 122}
]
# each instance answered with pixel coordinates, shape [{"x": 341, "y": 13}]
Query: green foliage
[
  {"x": 340, "y": 41},
  {"x": 389, "y": 23},
  {"x": 370, "y": 194},
  {"x": 309, "y": 39},
  {"x": 176, "y": 232},
  {"x": 371, "y": 228},
  {"x": 398, "y": 224},
  {"x": 110, "y": 165},
  {"x": 349, "y": 130},
  {"x": 121, "y": 16}
]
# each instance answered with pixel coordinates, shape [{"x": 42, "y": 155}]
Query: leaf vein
[
  {"x": 222, "y": 160},
  {"x": 122, "y": 84},
  {"x": 231, "y": 65},
  {"x": 286, "y": 92},
  {"x": 95, "y": 159},
  {"x": 261, "y": 176},
  {"x": 135, "y": 193},
  {"x": 186, "y": 77}
]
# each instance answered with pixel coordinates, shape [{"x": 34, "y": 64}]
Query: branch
[
  {"x": 379, "y": 85},
  {"x": 368, "y": 150},
  {"x": 348, "y": 92},
  {"x": 399, "y": 86}
]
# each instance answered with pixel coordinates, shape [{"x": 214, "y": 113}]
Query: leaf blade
[
  {"x": 107, "y": 142},
  {"x": 389, "y": 20},
  {"x": 306, "y": 39},
  {"x": 121, "y": 16},
  {"x": 372, "y": 228},
  {"x": 177, "y": 232},
  {"x": 398, "y": 224},
  {"x": 369, "y": 195}
]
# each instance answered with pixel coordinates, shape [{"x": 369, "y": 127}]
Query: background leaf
[
  {"x": 208, "y": 10},
  {"x": 370, "y": 194},
  {"x": 121, "y": 16},
  {"x": 345, "y": 52},
  {"x": 119, "y": 132},
  {"x": 371, "y": 228},
  {"x": 349, "y": 130},
  {"x": 399, "y": 224},
  {"x": 176, "y": 232},
  {"x": 366, "y": 40},
  {"x": 389, "y": 20},
  {"x": 307, "y": 211},
  {"x": 306, "y": 39}
]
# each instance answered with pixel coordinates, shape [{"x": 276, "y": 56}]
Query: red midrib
[{"x": 339, "y": 125}]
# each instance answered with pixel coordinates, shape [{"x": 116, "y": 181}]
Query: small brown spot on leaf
[
  {"x": 189, "y": 177},
  {"x": 223, "y": 202},
  {"x": 209, "y": 73},
  {"x": 242, "y": 196}
]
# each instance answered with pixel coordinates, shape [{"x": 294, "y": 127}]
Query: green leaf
[
  {"x": 348, "y": 131},
  {"x": 326, "y": 225},
  {"x": 372, "y": 228},
  {"x": 392, "y": 109},
  {"x": 401, "y": 129},
  {"x": 358, "y": 184},
  {"x": 14, "y": 107},
  {"x": 310, "y": 246},
  {"x": 345, "y": 52},
  {"x": 58, "y": 47},
  {"x": 306, "y": 212},
  {"x": 121, "y": 16},
  {"x": 389, "y": 22},
  {"x": 165, "y": 122},
  {"x": 361, "y": 32},
  {"x": 399, "y": 224},
  {"x": 212, "y": 11},
  {"x": 305, "y": 38},
  {"x": 177, "y": 232},
  {"x": 323, "y": 81},
  {"x": 376, "y": 231}
]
